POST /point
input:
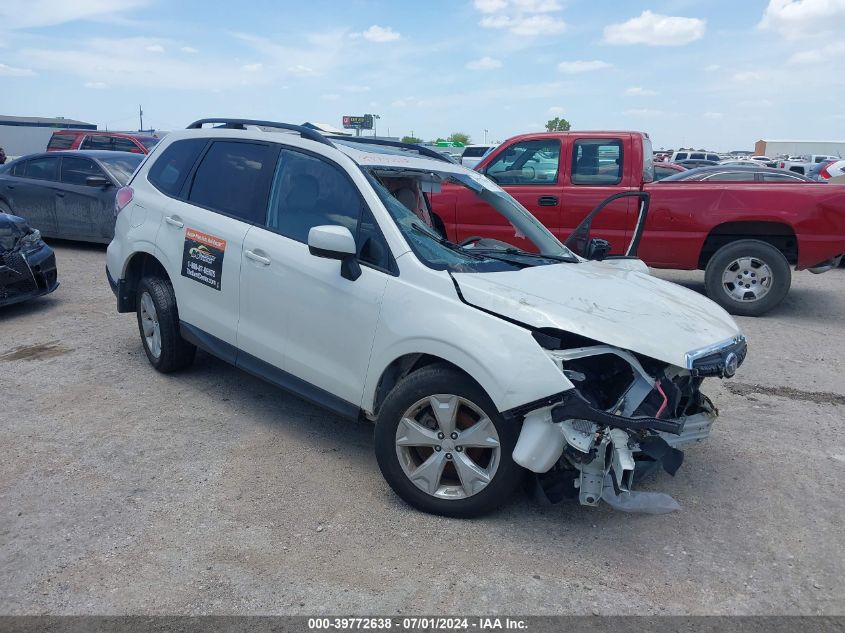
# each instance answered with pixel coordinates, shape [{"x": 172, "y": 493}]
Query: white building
[
  {"x": 799, "y": 148},
  {"x": 26, "y": 135}
]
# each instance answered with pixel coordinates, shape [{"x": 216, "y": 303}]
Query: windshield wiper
[
  {"x": 521, "y": 253},
  {"x": 444, "y": 241}
]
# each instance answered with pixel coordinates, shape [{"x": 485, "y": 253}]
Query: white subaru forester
[{"x": 317, "y": 264}]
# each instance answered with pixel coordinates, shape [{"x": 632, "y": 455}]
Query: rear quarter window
[
  {"x": 170, "y": 170},
  {"x": 597, "y": 162},
  {"x": 61, "y": 141}
]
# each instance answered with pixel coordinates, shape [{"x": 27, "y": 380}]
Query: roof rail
[
  {"x": 423, "y": 151},
  {"x": 240, "y": 124}
]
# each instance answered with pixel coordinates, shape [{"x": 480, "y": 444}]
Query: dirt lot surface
[{"x": 126, "y": 491}]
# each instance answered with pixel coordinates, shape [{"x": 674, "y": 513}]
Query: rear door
[
  {"x": 529, "y": 170},
  {"x": 36, "y": 192},
  {"x": 79, "y": 205},
  {"x": 595, "y": 169},
  {"x": 203, "y": 230}
]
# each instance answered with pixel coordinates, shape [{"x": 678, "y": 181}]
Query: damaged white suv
[{"x": 317, "y": 264}]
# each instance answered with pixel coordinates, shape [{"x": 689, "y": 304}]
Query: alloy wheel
[
  {"x": 150, "y": 325},
  {"x": 747, "y": 279}
]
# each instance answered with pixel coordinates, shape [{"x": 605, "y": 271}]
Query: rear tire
[
  {"x": 747, "y": 277},
  {"x": 468, "y": 473},
  {"x": 158, "y": 324}
]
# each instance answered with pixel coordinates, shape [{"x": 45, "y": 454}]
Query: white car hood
[{"x": 625, "y": 308}]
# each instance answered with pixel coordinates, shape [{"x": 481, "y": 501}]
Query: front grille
[
  {"x": 15, "y": 276},
  {"x": 714, "y": 363}
]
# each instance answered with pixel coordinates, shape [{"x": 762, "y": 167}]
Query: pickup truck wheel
[
  {"x": 158, "y": 323},
  {"x": 747, "y": 277},
  {"x": 443, "y": 447}
]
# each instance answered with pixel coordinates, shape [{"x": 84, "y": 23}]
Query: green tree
[
  {"x": 557, "y": 125},
  {"x": 459, "y": 137},
  {"x": 411, "y": 139}
]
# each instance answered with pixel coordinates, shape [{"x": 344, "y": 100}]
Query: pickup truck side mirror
[
  {"x": 335, "y": 242},
  {"x": 597, "y": 249}
]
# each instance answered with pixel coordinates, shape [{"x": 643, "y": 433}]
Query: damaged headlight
[{"x": 30, "y": 241}]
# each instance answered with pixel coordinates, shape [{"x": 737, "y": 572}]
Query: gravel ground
[{"x": 126, "y": 491}]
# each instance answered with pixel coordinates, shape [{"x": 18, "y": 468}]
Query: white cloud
[
  {"x": 189, "y": 49},
  {"x": 714, "y": 116},
  {"x": 252, "y": 68},
  {"x": 39, "y": 13},
  {"x": 96, "y": 85},
  {"x": 576, "y": 67},
  {"x": 711, "y": 68},
  {"x": 818, "y": 55},
  {"x": 380, "y": 34},
  {"x": 795, "y": 19},
  {"x": 526, "y": 18},
  {"x": 11, "y": 71},
  {"x": 644, "y": 113},
  {"x": 485, "y": 63},
  {"x": 356, "y": 88},
  {"x": 639, "y": 91},
  {"x": 155, "y": 48},
  {"x": 746, "y": 75},
  {"x": 556, "y": 110},
  {"x": 654, "y": 29},
  {"x": 301, "y": 71}
]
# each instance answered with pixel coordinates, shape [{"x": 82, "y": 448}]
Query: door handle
[
  {"x": 59, "y": 194},
  {"x": 10, "y": 186},
  {"x": 547, "y": 201},
  {"x": 172, "y": 221},
  {"x": 257, "y": 258}
]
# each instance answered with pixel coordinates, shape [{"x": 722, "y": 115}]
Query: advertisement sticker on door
[{"x": 202, "y": 258}]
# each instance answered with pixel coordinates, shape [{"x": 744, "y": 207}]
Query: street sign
[{"x": 358, "y": 122}]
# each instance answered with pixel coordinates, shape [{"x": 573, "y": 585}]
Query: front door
[
  {"x": 527, "y": 170},
  {"x": 80, "y": 204},
  {"x": 297, "y": 312}
]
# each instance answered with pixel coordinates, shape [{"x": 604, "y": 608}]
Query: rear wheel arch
[
  {"x": 778, "y": 234},
  {"x": 141, "y": 264}
]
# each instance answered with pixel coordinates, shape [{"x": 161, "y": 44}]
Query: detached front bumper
[{"x": 28, "y": 274}]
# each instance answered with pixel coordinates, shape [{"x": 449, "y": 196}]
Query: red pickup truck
[{"x": 744, "y": 235}]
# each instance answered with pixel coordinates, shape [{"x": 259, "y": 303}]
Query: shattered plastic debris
[{"x": 638, "y": 500}]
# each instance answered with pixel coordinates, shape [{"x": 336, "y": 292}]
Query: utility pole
[
  {"x": 375, "y": 125},
  {"x": 141, "y": 117},
  {"x": 485, "y": 135}
]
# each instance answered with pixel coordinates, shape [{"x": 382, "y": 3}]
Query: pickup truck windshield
[{"x": 402, "y": 192}]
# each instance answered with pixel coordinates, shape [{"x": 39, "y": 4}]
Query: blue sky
[{"x": 711, "y": 73}]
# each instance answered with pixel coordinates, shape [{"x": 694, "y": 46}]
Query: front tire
[
  {"x": 443, "y": 447},
  {"x": 747, "y": 277},
  {"x": 158, "y": 323}
]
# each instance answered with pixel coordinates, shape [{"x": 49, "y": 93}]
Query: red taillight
[
  {"x": 824, "y": 173},
  {"x": 123, "y": 197},
  {"x": 782, "y": 165}
]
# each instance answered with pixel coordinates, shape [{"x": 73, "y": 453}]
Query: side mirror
[
  {"x": 97, "y": 181},
  {"x": 335, "y": 242},
  {"x": 597, "y": 249}
]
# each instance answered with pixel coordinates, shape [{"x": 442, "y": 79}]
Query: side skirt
[{"x": 264, "y": 370}]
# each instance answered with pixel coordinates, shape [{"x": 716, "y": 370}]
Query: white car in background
[
  {"x": 473, "y": 154},
  {"x": 312, "y": 263}
]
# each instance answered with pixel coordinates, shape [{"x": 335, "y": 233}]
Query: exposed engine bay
[{"x": 627, "y": 413}]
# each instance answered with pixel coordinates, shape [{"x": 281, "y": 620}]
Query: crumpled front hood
[
  {"x": 12, "y": 229},
  {"x": 624, "y": 308}
]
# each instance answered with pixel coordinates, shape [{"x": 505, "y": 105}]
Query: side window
[
  {"x": 125, "y": 145},
  {"x": 19, "y": 169},
  {"x": 780, "y": 178},
  {"x": 597, "y": 162},
  {"x": 60, "y": 141},
  {"x": 697, "y": 156},
  {"x": 734, "y": 176},
  {"x": 308, "y": 191},
  {"x": 681, "y": 156},
  {"x": 527, "y": 163},
  {"x": 97, "y": 142},
  {"x": 171, "y": 168},
  {"x": 76, "y": 170},
  {"x": 228, "y": 179},
  {"x": 713, "y": 157},
  {"x": 372, "y": 247},
  {"x": 43, "y": 168}
]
